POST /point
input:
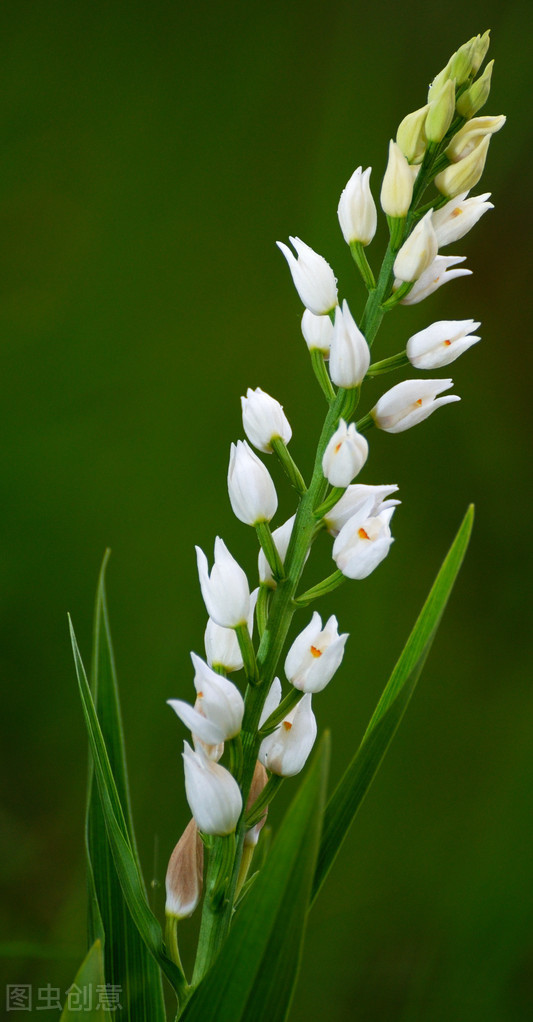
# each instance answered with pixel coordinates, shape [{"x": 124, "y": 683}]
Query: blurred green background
[{"x": 152, "y": 153}]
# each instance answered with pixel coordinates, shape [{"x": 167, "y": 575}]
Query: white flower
[
  {"x": 466, "y": 140},
  {"x": 315, "y": 655},
  {"x": 345, "y": 455},
  {"x": 281, "y": 537},
  {"x": 418, "y": 251},
  {"x": 317, "y": 332},
  {"x": 349, "y": 357},
  {"x": 206, "y": 731},
  {"x": 263, "y": 419},
  {"x": 221, "y": 644},
  {"x": 363, "y": 542},
  {"x": 220, "y": 700},
  {"x": 312, "y": 276},
  {"x": 357, "y": 210},
  {"x": 184, "y": 877},
  {"x": 272, "y": 701},
  {"x": 225, "y": 592},
  {"x": 397, "y": 187},
  {"x": 464, "y": 175},
  {"x": 441, "y": 343},
  {"x": 409, "y": 403},
  {"x": 251, "y": 491},
  {"x": 437, "y": 274},
  {"x": 458, "y": 217},
  {"x": 285, "y": 751},
  {"x": 213, "y": 795},
  {"x": 353, "y": 499}
]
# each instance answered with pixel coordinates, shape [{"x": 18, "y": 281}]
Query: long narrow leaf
[
  {"x": 254, "y": 976},
  {"x": 88, "y": 993},
  {"x": 123, "y": 857},
  {"x": 127, "y": 963},
  {"x": 353, "y": 786}
]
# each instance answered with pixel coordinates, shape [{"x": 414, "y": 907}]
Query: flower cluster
[{"x": 267, "y": 735}]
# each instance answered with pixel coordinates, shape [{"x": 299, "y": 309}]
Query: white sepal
[
  {"x": 470, "y": 135},
  {"x": 437, "y": 274},
  {"x": 352, "y": 501},
  {"x": 264, "y": 420},
  {"x": 345, "y": 455},
  {"x": 312, "y": 276},
  {"x": 418, "y": 251},
  {"x": 251, "y": 491},
  {"x": 207, "y": 731},
  {"x": 226, "y": 593},
  {"x": 357, "y": 210},
  {"x": 221, "y": 644},
  {"x": 213, "y": 795},
  {"x": 349, "y": 357},
  {"x": 315, "y": 655},
  {"x": 317, "y": 332},
  {"x": 363, "y": 542},
  {"x": 441, "y": 343},
  {"x": 458, "y": 217},
  {"x": 220, "y": 700},
  {"x": 409, "y": 403},
  {"x": 397, "y": 186},
  {"x": 285, "y": 751},
  {"x": 272, "y": 701}
]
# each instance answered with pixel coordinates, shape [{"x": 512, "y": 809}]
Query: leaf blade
[
  {"x": 344, "y": 803},
  {"x": 90, "y": 975}
]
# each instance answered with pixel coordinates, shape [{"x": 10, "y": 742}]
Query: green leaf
[
  {"x": 253, "y": 978},
  {"x": 123, "y": 856},
  {"x": 353, "y": 786},
  {"x": 127, "y": 962},
  {"x": 86, "y": 996}
]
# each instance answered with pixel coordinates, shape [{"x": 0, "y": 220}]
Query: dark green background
[{"x": 152, "y": 153}]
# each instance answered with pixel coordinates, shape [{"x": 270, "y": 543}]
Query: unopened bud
[
  {"x": 418, "y": 252},
  {"x": 441, "y": 111},
  {"x": 470, "y": 135},
  {"x": 397, "y": 187},
  {"x": 477, "y": 95},
  {"x": 185, "y": 874},
  {"x": 479, "y": 52},
  {"x": 460, "y": 64},
  {"x": 462, "y": 176},
  {"x": 259, "y": 781},
  {"x": 411, "y": 136}
]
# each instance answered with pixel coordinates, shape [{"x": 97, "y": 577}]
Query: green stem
[
  {"x": 261, "y": 610},
  {"x": 291, "y": 700},
  {"x": 388, "y": 364},
  {"x": 270, "y": 550},
  {"x": 261, "y": 804},
  {"x": 359, "y": 256},
  {"x": 365, "y": 423},
  {"x": 321, "y": 373},
  {"x": 291, "y": 468},
  {"x": 248, "y": 654},
  {"x": 333, "y": 498},
  {"x": 215, "y": 917},
  {"x": 171, "y": 941},
  {"x": 328, "y": 585}
]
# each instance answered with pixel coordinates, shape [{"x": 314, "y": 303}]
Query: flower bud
[
  {"x": 462, "y": 176},
  {"x": 221, "y": 644},
  {"x": 441, "y": 343},
  {"x": 440, "y": 113},
  {"x": 349, "y": 357},
  {"x": 317, "y": 332},
  {"x": 357, "y": 210},
  {"x": 470, "y": 135},
  {"x": 397, "y": 186},
  {"x": 352, "y": 501},
  {"x": 458, "y": 217},
  {"x": 315, "y": 655},
  {"x": 345, "y": 455},
  {"x": 479, "y": 53},
  {"x": 312, "y": 276},
  {"x": 251, "y": 491},
  {"x": 272, "y": 701},
  {"x": 259, "y": 781},
  {"x": 477, "y": 95},
  {"x": 185, "y": 874},
  {"x": 264, "y": 420},
  {"x": 411, "y": 136},
  {"x": 460, "y": 64},
  {"x": 409, "y": 403},
  {"x": 285, "y": 751},
  {"x": 281, "y": 537},
  {"x": 225, "y": 592},
  {"x": 363, "y": 542},
  {"x": 418, "y": 252},
  {"x": 213, "y": 795},
  {"x": 437, "y": 274}
]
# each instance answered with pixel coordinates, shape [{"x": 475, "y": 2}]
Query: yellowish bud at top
[
  {"x": 438, "y": 82},
  {"x": 441, "y": 111},
  {"x": 462, "y": 176},
  {"x": 397, "y": 186},
  {"x": 460, "y": 66},
  {"x": 411, "y": 136},
  {"x": 470, "y": 135},
  {"x": 480, "y": 51},
  {"x": 477, "y": 95}
]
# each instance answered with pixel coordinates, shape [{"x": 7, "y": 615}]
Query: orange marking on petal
[
  {"x": 447, "y": 343},
  {"x": 315, "y": 652},
  {"x": 419, "y": 402},
  {"x": 362, "y": 534},
  {"x": 337, "y": 448},
  {"x": 457, "y": 211},
  {"x": 287, "y": 725},
  {"x": 200, "y": 695}
]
